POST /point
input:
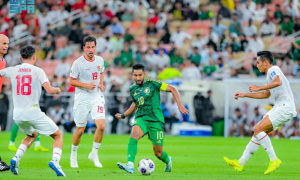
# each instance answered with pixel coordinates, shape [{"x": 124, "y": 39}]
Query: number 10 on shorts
[
  {"x": 160, "y": 135},
  {"x": 100, "y": 109}
]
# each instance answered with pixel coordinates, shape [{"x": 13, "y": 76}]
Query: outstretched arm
[
  {"x": 259, "y": 95},
  {"x": 176, "y": 95},
  {"x": 131, "y": 110},
  {"x": 276, "y": 82}
]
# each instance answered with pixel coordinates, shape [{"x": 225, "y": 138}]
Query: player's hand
[
  {"x": 183, "y": 110},
  {"x": 253, "y": 88},
  {"x": 237, "y": 95},
  {"x": 118, "y": 116},
  {"x": 58, "y": 91},
  {"x": 102, "y": 88},
  {"x": 91, "y": 86}
]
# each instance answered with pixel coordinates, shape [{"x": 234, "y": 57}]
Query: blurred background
[{"x": 204, "y": 48}]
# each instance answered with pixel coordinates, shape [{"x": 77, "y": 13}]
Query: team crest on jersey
[
  {"x": 98, "y": 67},
  {"x": 135, "y": 93},
  {"x": 147, "y": 90}
]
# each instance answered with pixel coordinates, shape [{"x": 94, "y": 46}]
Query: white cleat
[
  {"x": 94, "y": 158},
  {"x": 56, "y": 167},
  {"x": 168, "y": 167},
  {"x": 73, "y": 160}
]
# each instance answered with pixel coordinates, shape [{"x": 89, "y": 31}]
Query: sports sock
[
  {"x": 37, "y": 141},
  {"x": 95, "y": 148},
  {"x": 14, "y": 133},
  {"x": 74, "y": 150},
  {"x": 164, "y": 158},
  {"x": 132, "y": 150},
  {"x": 56, "y": 155},
  {"x": 21, "y": 150},
  {"x": 251, "y": 148},
  {"x": 11, "y": 143},
  {"x": 265, "y": 141}
]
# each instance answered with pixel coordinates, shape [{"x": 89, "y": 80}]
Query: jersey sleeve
[
  {"x": 273, "y": 73},
  {"x": 42, "y": 77},
  {"x": 74, "y": 73},
  {"x": 6, "y": 72},
  {"x": 102, "y": 67},
  {"x": 157, "y": 84}
]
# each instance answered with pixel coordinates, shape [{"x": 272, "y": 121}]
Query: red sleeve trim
[
  {"x": 72, "y": 77},
  {"x": 45, "y": 83}
]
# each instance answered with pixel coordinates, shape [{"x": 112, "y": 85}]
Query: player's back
[{"x": 27, "y": 81}]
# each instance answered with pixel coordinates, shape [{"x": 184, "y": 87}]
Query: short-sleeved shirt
[
  {"x": 2, "y": 66},
  {"x": 87, "y": 71},
  {"x": 283, "y": 94},
  {"x": 147, "y": 99},
  {"x": 27, "y": 81}
]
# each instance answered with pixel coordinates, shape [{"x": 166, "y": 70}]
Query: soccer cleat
[
  {"x": 125, "y": 167},
  {"x": 94, "y": 158},
  {"x": 14, "y": 165},
  {"x": 59, "y": 172},
  {"x": 41, "y": 148},
  {"x": 3, "y": 166},
  {"x": 73, "y": 161},
  {"x": 168, "y": 167},
  {"x": 12, "y": 148},
  {"x": 234, "y": 163},
  {"x": 273, "y": 165}
]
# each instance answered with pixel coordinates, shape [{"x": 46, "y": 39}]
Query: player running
[
  {"x": 4, "y": 41},
  {"x": 87, "y": 75},
  {"x": 284, "y": 110},
  {"x": 149, "y": 118},
  {"x": 27, "y": 80}
]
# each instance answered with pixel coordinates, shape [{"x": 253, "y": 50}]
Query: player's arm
[
  {"x": 275, "y": 83},
  {"x": 168, "y": 88},
  {"x": 76, "y": 83},
  {"x": 259, "y": 95},
  {"x": 131, "y": 110},
  {"x": 101, "y": 85},
  {"x": 50, "y": 89}
]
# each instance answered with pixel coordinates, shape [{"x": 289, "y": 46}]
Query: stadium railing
[{"x": 72, "y": 16}]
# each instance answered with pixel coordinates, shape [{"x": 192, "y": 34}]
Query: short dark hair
[
  {"x": 27, "y": 52},
  {"x": 237, "y": 109},
  {"x": 265, "y": 55},
  {"x": 89, "y": 39},
  {"x": 138, "y": 67}
]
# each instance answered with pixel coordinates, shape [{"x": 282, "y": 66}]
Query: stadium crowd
[{"x": 174, "y": 39}]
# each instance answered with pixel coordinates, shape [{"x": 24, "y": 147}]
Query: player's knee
[
  {"x": 102, "y": 127},
  {"x": 80, "y": 131},
  {"x": 158, "y": 154},
  {"x": 34, "y": 135},
  {"x": 135, "y": 135}
]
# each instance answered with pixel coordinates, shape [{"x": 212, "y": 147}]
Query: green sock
[
  {"x": 14, "y": 132},
  {"x": 165, "y": 158},
  {"x": 132, "y": 149},
  {"x": 38, "y": 137}
]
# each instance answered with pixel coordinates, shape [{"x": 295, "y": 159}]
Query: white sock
[
  {"x": 251, "y": 148},
  {"x": 21, "y": 151},
  {"x": 11, "y": 143},
  {"x": 131, "y": 163},
  {"x": 95, "y": 148},
  {"x": 265, "y": 141},
  {"x": 74, "y": 150},
  {"x": 37, "y": 143},
  {"x": 56, "y": 155}
]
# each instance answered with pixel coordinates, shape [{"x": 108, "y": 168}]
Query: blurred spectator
[
  {"x": 76, "y": 34},
  {"x": 297, "y": 25},
  {"x": 64, "y": 86},
  {"x": 199, "y": 107},
  {"x": 235, "y": 26},
  {"x": 178, "y": 12},
  {"x": 44, "y": 20},
  {"x": 63, "y": 69},
  {"x": 250, "y": 30},
  {"x": 292, "y": 10},
  {"x": 67, "y": 29},
  {"x": 126, "y": 16},
  {"x": 207, "y": 56},
  {"x": 160, "y": 45},
  {"x": 278, "y": 15},
  {"x": 286, "y": 27},
  {"x": 152, "y": 58},
  {"x": 254, "y": 68},
  {"x": 49, "y": 50},
  {"x": 11, "y": 58},
  {"x": 256, "y": 119},
  {"x": 260, "y": 14},
  {"x": 118, "y": 14},
  {"x": 162, "y": 22},
  {"x": 229, "y": 4},
  {"x": 3, "y": 25},
  {"x": 128, "y": 4},
  {"x": 152, "y": 17},
  {"x": 64, "y": 51},
  {"x": 100, "y": 41},
  {"x": 228, "y": 54},
  {"x": 238, "y": 12},
  {"x": 267, "y": 28},
  {"x": 141, "y": 13},
  {"x": 235, "y": 45},
  {"x": 211, "y": 35},
  {"x": 295, "y": 3},
  {"x": 223, "y": 43},
  {"x": 174, "y": 112},
  {"x": 79, "y": 4},
  {"x": 113, "y": 107},
  {"x": 117, "y": 59},
  {"x": 194, "y": 4},
  {"x": 151, "y": 30},
  {"x": 19, "y": 28},
  {"x": 290, "y": 128},
  {"x": 91, "y": 19},
  {"x": 251, "y": 5},
  {"x": 116, "y": 27},
  {"x": 298, "y": 74},
  {"x": 224, "y": 11},
  {"x": 56, "y": 114},
  {"x": 107, "y": 12},
  {"x": 4, "y": 104},
  {"x": 163, "y": 59},
  {"x": 167, "y": 6},
  {"x": 151, "y": 73},
  {"x": 191, "y": 72},
  {"x": 198, "y": 42},
  {"x": 176, "y": 59},
  {"x": 208, "y": 109},
  {"x": 255, "y": 44},
  {"x": 189, "y": 13},
  {"x": 211, "y": 68},
  {"x": 218, "y": 28},
  {"x": 238, "y": 123},
  {"x": 204, "y": 13},
  {"x": 126, "y": 57},
  {"x": 243, "y": 42},
  {"x": 195, "y": 57},
  {"x": 179, "y": 36},
  {"x": 296, "y": 68},
  {"x": 128, "y": 37},
  {"x": 116, "y": 42},
  {"x": 287, "y": 66},
  {"x": 220, "y": 62},
  {"x": 248, "y": 11}
]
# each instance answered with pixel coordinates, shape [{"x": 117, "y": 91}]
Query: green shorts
[{"x": 154, "y": 129}]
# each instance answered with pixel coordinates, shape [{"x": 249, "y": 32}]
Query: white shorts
[
  {"x": 280, "y": 115},
  {"x": 82, "y": 111},
  {"x": 43, "y": 125}
]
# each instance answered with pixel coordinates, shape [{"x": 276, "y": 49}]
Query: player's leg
[
  {"x": 13, "y": 135},
  {"x": 3, "y": 165},
  {"x": 38, "y": 146}
]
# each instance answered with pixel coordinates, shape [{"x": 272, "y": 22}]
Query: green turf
[{"x": 193, "y": 158}]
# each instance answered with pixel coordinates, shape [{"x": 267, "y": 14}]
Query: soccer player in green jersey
[{"x": 149, "y": 118}]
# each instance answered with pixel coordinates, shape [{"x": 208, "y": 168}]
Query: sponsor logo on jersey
[
  {"x": 273, "y": 74},
  {"x": 147, "y": 90},
  {"x": 99, "y": 68}
]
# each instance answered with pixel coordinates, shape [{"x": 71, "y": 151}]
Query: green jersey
[{"x": 147, "y": 99}]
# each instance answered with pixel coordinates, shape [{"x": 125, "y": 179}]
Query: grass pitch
[{"x": 193, "y": 159}]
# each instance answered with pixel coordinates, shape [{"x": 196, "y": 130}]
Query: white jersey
[
  {"x": 87, "y": 71},
  {"x": 27, "y": 81},
  {"x": 283, "y": 94}
]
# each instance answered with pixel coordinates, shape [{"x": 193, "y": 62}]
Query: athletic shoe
[
  {"x": 125, "y": 167},
  {"x": 41, "y": 148},
  {"x": 273, "y": 165},
  {"x": 59, "y": 172},
  {"x": 94, "y": 158},
  {"x": 168, "y": 167},
  {"x": 14, "y": 165},
  {"x": 12, "y": 148},
  {"x": 3, "y": 166},
  {"x": 234, "y": 163},
  {"x": 73, "y": 160}
]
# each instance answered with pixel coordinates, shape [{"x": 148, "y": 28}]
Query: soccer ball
[{"x": 146, "y": 166}]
